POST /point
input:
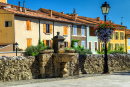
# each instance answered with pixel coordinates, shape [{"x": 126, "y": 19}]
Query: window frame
[
  {"x": 82, "y": 29},
  {"x": 49, "y": 45},
  {"x": 7, "y": 23},
  {"x": 84, "y": 43},
  {"x": 117, "y": 35},
  {"x": 75, "y": 30},
  {"x": 91, "y": 45},
  {"x": 47, "y": 28},
  {"x": 76, "y": 44}
]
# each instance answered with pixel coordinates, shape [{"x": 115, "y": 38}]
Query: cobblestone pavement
[{"x": 117, "y": 79}]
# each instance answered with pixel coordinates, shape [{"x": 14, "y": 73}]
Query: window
[
  {"x": 129, "y": 51},
  {"x": 65, "y": 30},
  {"x": 90, "y": 45},
  {"x": 65, "y": 44},
  {"x": 83, "y": 44},
  {"x": 91, "y": 31},
  {"x": 75, "y": 44},
  {"x": 48, "y": 43},
  {"x": 95, "y": 46},
  {"x": 111, "y": 46},
  {"x": 122, "y": 35},
  {"x": 116, "y": 46},
  {"x": 29, "y": 42},
  {"x": 28, "y": 24},
  {"x": 111, "y": 37},
  {"x": 8, "y": 23},
  {"x": 116, "y": 35},
  {"x": 128, "y": 41},
  {"x": 47, "y": 28},
  {"x": 83, "y": 30},
  {"x": 74, "y": 30},
  {"x": 102, "y": 46},
  {"x": 122, "y": 45}
]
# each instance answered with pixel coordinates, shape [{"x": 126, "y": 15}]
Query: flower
[{"x": 104, "y": 30}]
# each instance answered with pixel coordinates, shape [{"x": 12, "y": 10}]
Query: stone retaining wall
[
  {"x": 18, "y": 68},
  {"x": 94, "y": 63},
  {"x": 23, "y": 68}
]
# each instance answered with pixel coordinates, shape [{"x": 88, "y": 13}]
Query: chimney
[
  {"x": 98, "y": 18},
  {"x": 23, "y": 9},
  {"x": 74, "y": 17},
  {"x": 50, "y": 13},
  {"x": 19, "y": 6},
  {"x": 62, "y": 12},
  {"x": 23, "y": 4}
]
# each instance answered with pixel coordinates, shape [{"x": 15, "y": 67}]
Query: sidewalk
[{"x": 118, "y": 79}]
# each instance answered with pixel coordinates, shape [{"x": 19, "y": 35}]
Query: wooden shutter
[
  {"x": 123, "y": 35},
  {"x": 51, "y": 43},
  {"x": 44, "y": 28},
  {"x": 51, "y": 28},
  {"x": 112, "y": 46},
  {"x": 68, "y": 44},
  {"x": 118, "y": 46},
  {"x": 65, "y": 30},
  {"x": 45, "y": 42},
  {"x": 118, "y": 35},
  {"x": 29, "y": 42},
  {"x": 28, "y": 24},
  {"x": 115, "y": 35},
  {"x": 95, "y": 46},
  {"x": 90, "y": 45}
]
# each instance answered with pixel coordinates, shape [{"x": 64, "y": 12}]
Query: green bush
[
  {"x": 32, "y": 51},
  {"x": 82, "y": 51},
  {"x": 121, "y": 52}
]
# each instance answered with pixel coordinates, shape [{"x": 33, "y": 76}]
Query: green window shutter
[
  {"x": 115, "y": 35},
  {"x": 123, "y": 35},
  {"x": 118, "y": 46},
  {"x": 112, "y": 47},
  {"x": 118, "y": 35},
  {"x": 112, "y": 36},
  {"x": 115, "y": 47}
]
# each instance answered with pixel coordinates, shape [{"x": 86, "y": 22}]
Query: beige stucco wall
[
  {"x": 21, "y": 33},
  {"x": 59, "y": 27}
]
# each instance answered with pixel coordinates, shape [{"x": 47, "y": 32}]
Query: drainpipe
[
  {"x": 53, "y": 28},
  {"x": 39, "y": 32},
  {"x": 71, "y": 33},
  {"x": 86, "y": 36}
]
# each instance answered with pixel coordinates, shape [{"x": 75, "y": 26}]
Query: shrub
[
  {"x": 121, "y": 52},
  {"x": 82, "y": 51},
  {"x": 32, "y": 51}
]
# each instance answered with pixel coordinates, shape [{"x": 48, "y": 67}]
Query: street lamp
[
  {"x": 16, "y": 47},
  {"x": 105, "y": 9}
]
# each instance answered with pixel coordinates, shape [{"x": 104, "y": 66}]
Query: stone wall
[
  {"x": 18, "y": 68},
  {"x": 23, "y": 68},
  {"x": 94, "y": 63}
]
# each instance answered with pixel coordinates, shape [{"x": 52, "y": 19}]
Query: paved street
[{"x": 114, "y": 80}]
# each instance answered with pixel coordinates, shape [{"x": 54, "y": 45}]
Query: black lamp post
[
  {"x": 16, "y": 47},
  {"x": 105, "y": 9}
]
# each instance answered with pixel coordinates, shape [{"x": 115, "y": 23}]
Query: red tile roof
[{"x": 56, "y": 16}]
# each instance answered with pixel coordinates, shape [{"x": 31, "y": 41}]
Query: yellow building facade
[
  {"x": 6, "y": 27},
  {"x": 4, "y": 1},
  {"x": 128, "y": 41},
  {"x": 117, "y": 40}
]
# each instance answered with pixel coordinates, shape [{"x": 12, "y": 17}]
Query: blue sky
[{"x": 87, "y": 8}]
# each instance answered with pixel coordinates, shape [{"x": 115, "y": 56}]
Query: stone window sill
[
  {"x": 47, "y": 33},
  {"x": 65, "y": 35}
]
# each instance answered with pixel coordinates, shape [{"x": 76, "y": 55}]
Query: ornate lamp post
[
  {"x": 16, "y": 47},
  {"x": 105, "y": 9}
]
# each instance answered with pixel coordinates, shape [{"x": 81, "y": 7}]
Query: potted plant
[
  {"x": 69, "y": 50},
  {"x": 46, "y": 49}
]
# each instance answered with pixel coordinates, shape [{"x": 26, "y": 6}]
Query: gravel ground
[{"x": 38, "y": 81}]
